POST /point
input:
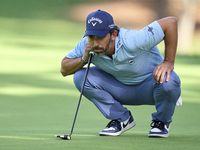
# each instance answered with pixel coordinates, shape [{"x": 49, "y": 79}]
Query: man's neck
[{"x": 111, "y": 51}]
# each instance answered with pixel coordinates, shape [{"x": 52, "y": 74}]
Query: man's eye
[{"x": 91, "y": 36}]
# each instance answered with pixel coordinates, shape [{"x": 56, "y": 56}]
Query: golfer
[{"x": 128, "y": 70}]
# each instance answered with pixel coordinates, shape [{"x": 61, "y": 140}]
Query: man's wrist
[{"x": 83, "y": 60}]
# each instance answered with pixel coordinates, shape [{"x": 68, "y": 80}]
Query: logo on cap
[
  {"x": 94, "y": 19},
  {"x": 111, "y": 26},
  {"x": 99, "y": 23}
]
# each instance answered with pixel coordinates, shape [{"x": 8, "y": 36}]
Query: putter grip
[{"x": 91, "y": 52}]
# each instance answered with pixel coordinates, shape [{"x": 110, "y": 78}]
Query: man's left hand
[{"x": 160, "y": 71}]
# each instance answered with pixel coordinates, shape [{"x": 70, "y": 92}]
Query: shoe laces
[
  {"x": 112, "y": 123},
  {"x": 157, "y": 124}
]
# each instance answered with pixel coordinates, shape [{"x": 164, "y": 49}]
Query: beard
[{"x": 103, "y": 50}]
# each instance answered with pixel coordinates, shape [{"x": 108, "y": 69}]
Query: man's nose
[{"x": 96, "y": 43}]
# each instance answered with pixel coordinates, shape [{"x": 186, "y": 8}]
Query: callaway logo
[
  {"x": 94, "y": 21},
  {"x": 94, "y": 24}
]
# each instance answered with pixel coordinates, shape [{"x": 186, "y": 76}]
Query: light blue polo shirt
[{"x": 136, "y": 54}]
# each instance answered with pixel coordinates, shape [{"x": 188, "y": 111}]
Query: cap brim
[{"x": 99, "y": 33}]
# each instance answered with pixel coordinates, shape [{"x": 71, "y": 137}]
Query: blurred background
[{"x": 26, "y": 17}]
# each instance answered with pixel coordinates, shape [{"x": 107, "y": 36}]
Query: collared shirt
[{"x": 136, "y": 54}]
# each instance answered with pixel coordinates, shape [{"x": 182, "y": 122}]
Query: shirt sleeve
[
  {"x": 78, "y": 50},
  {"x": 146, "y": 38}
]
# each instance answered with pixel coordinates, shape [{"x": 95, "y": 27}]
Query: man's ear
[{"x": 114, "y": 35}]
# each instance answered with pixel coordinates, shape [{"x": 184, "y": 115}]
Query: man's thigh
[{"x": 126, "y": 94}]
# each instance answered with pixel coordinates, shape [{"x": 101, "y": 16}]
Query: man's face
[{"x": 100, "y": 45}]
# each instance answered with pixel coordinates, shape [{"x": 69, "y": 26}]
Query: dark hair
[{"x": 116, "y": 28}]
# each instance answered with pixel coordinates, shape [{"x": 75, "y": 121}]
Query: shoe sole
[
  {"x": 120, "y": 132},
  {"x": 158, "y": 135}
]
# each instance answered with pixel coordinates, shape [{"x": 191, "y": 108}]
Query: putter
[{"x": 68, "y": 137}]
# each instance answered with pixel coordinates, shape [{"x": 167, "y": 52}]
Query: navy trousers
[{"x": 109, "y": 95}]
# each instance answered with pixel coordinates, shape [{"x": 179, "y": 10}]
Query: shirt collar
[{"x": 118, "y": 44}]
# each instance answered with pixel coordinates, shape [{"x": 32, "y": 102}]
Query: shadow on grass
[{"x": 33, "y": 81}]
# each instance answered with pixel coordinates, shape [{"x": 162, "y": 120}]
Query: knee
[
  {"x": 78, "y": 78},
  {"x": 172, "y": 87},
  {"x": 173, "y": 83}
]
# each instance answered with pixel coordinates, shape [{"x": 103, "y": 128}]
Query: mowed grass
[{"x": 36, "y": 102}]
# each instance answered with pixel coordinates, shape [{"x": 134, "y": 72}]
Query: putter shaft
[
  {"x": 68, "y": 137},
  {"x": 82, "y": 88}
]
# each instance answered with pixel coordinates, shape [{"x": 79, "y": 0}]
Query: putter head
[{"x": 65, "y": 137}]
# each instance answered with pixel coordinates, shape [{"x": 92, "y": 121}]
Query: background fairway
[{"x": 36, "y": 102}]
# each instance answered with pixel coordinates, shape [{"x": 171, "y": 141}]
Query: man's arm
[
  {"x": 71, "y": 65},
  {"x": 169, "y": 27}
]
